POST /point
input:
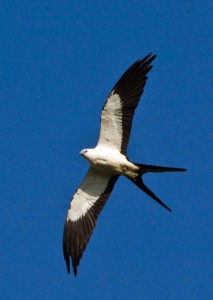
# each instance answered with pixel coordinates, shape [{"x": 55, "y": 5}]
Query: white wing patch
[
  {"x": 111, "y": 123},
  {"x": 87, "y": 194}
]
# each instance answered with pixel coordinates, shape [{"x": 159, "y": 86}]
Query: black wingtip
[
  {"x": 75, "y": 271},
  {"x": 148, "y": 59},
  {"x": 66, "y": 252},
  {"x": 150, "y": 55},
  {"x": 68, "y": 265}
]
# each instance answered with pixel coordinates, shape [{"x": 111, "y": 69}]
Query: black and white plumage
[{"x": 108, "y": 161}]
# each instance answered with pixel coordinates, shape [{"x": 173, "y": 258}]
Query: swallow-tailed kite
[{"x": 108, "y": 161}]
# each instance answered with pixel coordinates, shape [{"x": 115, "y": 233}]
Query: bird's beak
[{"x": 81, "y": 152}]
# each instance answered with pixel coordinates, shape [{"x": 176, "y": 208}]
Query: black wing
[
  {"x": 118, "y": 111},
  {"x": 83, "y": 212}
]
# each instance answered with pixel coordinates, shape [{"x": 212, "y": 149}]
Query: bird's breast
[
  {"x": 110, "y": 161},
  {"x": 108, "y": 165}
]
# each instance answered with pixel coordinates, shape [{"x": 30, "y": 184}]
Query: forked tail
[{"x": 138, "y": 181}]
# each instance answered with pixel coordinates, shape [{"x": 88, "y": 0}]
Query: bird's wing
[
  {"x": 83, "y": 212},
  {"x": 118, "y": 111}
]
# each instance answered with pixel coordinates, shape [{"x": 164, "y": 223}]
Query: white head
[
  {"x": 84, "y": 152},
  {"x": 88, "y": 154}
]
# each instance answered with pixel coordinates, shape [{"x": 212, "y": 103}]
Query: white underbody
[{"x": 108, "y": 160}]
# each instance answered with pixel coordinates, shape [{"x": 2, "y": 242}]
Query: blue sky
[{"x": 59, "y": 60}]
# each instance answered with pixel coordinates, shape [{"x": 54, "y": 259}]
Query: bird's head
[
  {"x": 85, "y": 153},
  {"x": 88, "y": 154}
]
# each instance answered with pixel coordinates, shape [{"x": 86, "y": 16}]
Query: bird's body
[{"x": 108, "y": 160}]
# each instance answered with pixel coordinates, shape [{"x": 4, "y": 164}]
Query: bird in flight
[{"x": 108, "y": 160}]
